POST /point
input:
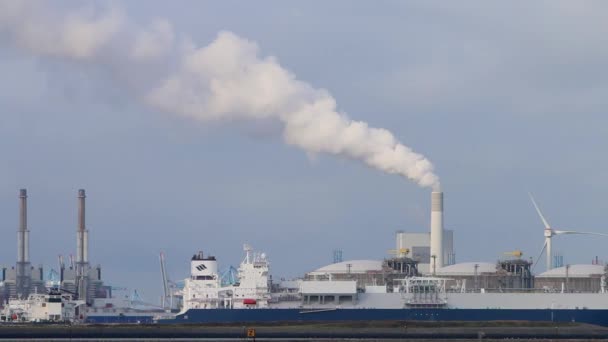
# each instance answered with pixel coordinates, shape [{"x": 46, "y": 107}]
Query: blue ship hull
[
  {"x": 122, "y": 319},
  {"x": 598, "y": 317}
]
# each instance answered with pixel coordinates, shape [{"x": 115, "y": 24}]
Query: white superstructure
[
  {"x": 43, "y": 307},
  {"x": 203, "y": 290}
]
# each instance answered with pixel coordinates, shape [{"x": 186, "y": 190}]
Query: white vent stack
[{"x": 436, "y": 230}]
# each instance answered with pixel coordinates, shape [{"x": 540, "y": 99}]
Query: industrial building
[
  {"x": 78, "y": 278},
  {"x": 417, "y": 254},
  {"x": 432, "y": 249},
  {"x": 417, "y": 246}
]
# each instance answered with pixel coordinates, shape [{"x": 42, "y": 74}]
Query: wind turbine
[{"x": 550, "y": 232}]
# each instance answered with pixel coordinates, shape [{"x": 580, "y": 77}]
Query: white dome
[
  {"x": 356, "y": 266},
  {"x": 467, "y": 268},
  {"x": 575, "y": 271}
]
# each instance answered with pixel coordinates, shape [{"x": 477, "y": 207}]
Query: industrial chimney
[
  {"x": 436, "y": 231},
  {"x": 82, "y": 253},
  {"x": 82, "y": 246},
  {"x": 23, "y": 248}
]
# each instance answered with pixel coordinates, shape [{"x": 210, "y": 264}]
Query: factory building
[
  {"x": 413, "y": 256},
  {"x": 432, "y": 250},
  {"x": 32, "y": 283},
  {"x": 573, "y": 278},
  {"x": 417, "y": 246},
  {"x": 79, "y": 279}
]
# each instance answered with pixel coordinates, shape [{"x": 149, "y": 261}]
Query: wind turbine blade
[
  {"x": 540, "y": 255},
  {"x": 559, "y": 232},
  {"x": 539, "y": 213}
]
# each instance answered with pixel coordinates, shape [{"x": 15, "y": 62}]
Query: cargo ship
[
  {"x": 255, "y": 298},
  {"x": 396, "y": 289}
]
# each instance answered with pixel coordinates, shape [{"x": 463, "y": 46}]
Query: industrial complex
[
  {"x": 418, "y": 280},
  {"x": 29, "y": 293},
  {"x": 432, "y": 253},
  {"x": 78, "y": 278}
]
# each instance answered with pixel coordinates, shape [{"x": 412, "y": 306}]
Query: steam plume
[{"x": 225, "y": 80}]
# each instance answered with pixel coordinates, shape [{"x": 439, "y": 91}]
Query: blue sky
[{"x": 502, "y": 98}]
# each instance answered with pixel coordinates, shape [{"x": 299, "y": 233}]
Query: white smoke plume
[{"x": 225, "y": 80}]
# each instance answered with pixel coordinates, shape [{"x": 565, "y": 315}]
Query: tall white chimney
[{"x": 436, "y": 231}]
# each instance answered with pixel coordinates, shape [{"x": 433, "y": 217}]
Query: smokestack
[
  {"x": 23, "y": 248},
  {"x": 23, "y": 270},
  {"x": 436, "y": 230},
  {"x": 82, "y": 254}
]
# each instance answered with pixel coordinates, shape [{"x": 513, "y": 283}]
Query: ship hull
[
  {"x": 590, "y": 316},
  {"x": 119, "y": 319}
]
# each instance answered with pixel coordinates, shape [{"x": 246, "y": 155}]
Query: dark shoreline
[{"x": 341, "y": 330}]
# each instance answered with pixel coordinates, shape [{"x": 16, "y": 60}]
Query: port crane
[{"x": 169, "y": 287}]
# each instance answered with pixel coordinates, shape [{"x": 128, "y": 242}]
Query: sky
[{"x": 502, "y": 98}]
